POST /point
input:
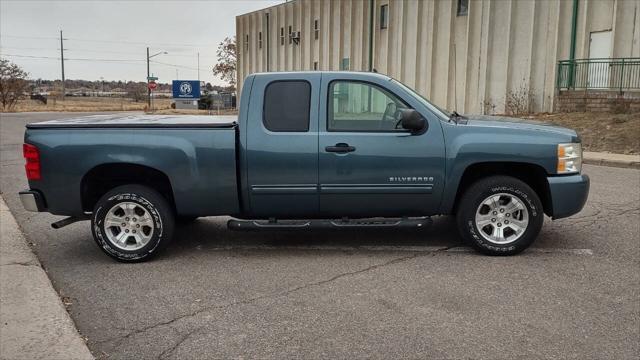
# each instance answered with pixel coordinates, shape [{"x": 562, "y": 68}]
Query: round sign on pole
[{"x": 152, "y": 85}]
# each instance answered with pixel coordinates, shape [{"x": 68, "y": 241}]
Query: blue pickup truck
[{"x": 327, "y": 149}]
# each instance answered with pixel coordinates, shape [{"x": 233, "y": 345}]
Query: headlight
[{"x": 569, "y": 158}]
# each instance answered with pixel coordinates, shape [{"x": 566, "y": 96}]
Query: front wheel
[
  {"x": 500, "y": 215},
  {"x": 132, "y": 223}
]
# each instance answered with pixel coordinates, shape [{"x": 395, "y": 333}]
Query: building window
[
  {"x": 315, "y": 65},
  {"x": 281, "y": 36},
  {"x": 463, "y": 7},
  {"x": 246, "y": 42},
  {"x": 260, "y": 40},
  {"x": 384, "y": 16},
  {"x": 358, "y": 106},
  {"x": 316, "y": 29},
  {"x": 290, "y": 38},
  {"x": 286, "y": 106},
  {"x": 344, "y": 64}
]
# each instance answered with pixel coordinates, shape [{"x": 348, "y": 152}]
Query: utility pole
[
  {"x": 198, "y": 66},
  {"x": 148, "y": 89},
  {"x": 62, "y": 62},
  {"x": 148, "y": 74}
]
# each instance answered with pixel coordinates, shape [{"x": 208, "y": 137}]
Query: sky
[{"x": 108, "y": 39}]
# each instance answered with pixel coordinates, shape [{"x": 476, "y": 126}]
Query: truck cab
[{"x": 333, "y": 145}]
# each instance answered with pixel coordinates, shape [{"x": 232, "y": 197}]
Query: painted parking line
[
  {"x": 587, "y": 252},
  {"x": 416, "y": 248}
]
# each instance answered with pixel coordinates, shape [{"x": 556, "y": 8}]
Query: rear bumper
[
  {"x": 32, "y": 201},
  {"x": 568, "y": 194}
]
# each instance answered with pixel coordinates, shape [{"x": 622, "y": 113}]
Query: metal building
[{"x": 475, "y": 56}]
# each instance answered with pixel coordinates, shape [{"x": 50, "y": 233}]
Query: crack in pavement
[
  {"x": 120, "y": 339},
  {"x": 601, "y": 213},
  {"x": 21, "y": 263},
  {"x": 172, "y": 349}
]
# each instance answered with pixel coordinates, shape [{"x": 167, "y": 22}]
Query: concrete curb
[
  {"x": 33, "y": 321},
  {"x": 615, "y": 160}
]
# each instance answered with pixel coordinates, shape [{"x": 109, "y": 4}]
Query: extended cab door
[
  {"x": 282, "y": 145},
  {"x": 369, "y": 166}
]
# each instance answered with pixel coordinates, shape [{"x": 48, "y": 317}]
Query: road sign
[
  {"x": 152, "y": 78},
  {"x": 186, "y": 89},
  {"x": 152, "y": 85}
]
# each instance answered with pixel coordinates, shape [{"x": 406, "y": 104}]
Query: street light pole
[
  {"x": 62, "y": 62},
  {"x": 148, "y": 74},
  {"x": 148, "y": 90}
]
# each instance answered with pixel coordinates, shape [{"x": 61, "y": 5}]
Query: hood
[{"x": 505, "y": 122}]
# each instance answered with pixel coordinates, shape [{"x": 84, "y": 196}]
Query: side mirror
[{"x": 413, "y": 121}]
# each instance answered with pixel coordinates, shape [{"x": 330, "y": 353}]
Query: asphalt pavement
[{"x": 351, "y": 294}]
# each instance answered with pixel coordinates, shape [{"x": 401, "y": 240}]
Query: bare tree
[
  {"x": 227, "y": 61},
  {"x": 136, "y": 91},
  {"x": 13, "y": 83}
]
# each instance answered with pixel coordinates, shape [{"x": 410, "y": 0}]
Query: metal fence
[{"x": 606, "y": 74}]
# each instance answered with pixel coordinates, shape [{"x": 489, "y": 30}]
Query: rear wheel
[
  {"x": 132, "y": 223},
  {"x": 500, "y": 215}
]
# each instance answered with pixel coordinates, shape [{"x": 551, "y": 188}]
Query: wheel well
[
  {"x": 102, "y": 178},
  {"x": 533, "y": 175}
]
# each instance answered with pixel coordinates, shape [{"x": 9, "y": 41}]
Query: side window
[
  {"x": 358, "y": 106},
  {"x": 384, "y": 16},
  {"x": 286, "y": 106}
]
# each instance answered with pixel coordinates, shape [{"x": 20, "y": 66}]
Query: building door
[{"x": 599, "y": 55}]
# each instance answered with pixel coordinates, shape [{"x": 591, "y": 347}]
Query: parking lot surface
[{"x": 343, "y": 294}]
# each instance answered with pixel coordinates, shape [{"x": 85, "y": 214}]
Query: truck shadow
[{"x": 212, "y": 234}]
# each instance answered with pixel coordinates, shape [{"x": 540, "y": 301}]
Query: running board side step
[{"x": 272, "y": 224}]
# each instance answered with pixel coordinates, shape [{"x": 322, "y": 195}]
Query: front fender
[{"x": 467, "y": 146}]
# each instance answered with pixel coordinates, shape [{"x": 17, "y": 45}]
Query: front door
[
  {"x": 282, "y": 146},
  {"x": 369, "y": 165}
]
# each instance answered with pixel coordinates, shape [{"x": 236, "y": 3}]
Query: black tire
[
  {"x": 471, "y": 201},
  {"x": 149, "y": 200}
]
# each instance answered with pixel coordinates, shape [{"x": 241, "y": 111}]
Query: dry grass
[
  {"x": 194, "y": 112},
  {"x": 614, "y": 133},
  {"x": 88, "y": 104}
]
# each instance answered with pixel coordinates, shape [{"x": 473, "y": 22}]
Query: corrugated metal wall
[{"x": 470, "y": 63}]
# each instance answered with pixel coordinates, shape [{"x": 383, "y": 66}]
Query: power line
[
  {"x": 94, "y": 40},
  {"x": 73, "y": 59},
  {"x": 31, "y": 56},
  {"x": 102, "y": 51},
  {"x": 174, "y": 65},
  {"x": 30, "y": 37}
]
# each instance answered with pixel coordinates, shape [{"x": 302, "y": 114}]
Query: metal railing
[{"x": 606, "y": 74}]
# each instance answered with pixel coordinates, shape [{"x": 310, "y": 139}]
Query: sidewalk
[
  {"x": 33, "y": 322},
  {"x": 607, "y": 159}
]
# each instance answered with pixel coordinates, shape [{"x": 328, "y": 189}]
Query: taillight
[{"x": 32, "y": 166}]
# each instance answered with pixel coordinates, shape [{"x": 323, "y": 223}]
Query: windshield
[{"x": 441, "y": 113}]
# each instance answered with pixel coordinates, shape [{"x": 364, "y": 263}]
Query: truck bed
[
  {"x": 140, "y": 121},
  {"x": 196, "y": 154}
]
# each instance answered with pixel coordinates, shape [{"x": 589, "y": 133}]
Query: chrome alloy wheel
[
  {"x": 128, "y": 226},
  {"x": 502, "y": 218}
]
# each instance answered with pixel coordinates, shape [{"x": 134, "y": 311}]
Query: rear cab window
[{"x": 286, "y": 106}]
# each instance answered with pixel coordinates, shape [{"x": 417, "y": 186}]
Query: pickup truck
[{"x": 307, "y": 149}]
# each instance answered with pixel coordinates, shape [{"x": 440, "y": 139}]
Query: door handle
[{"x": 340, "y": 148}]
